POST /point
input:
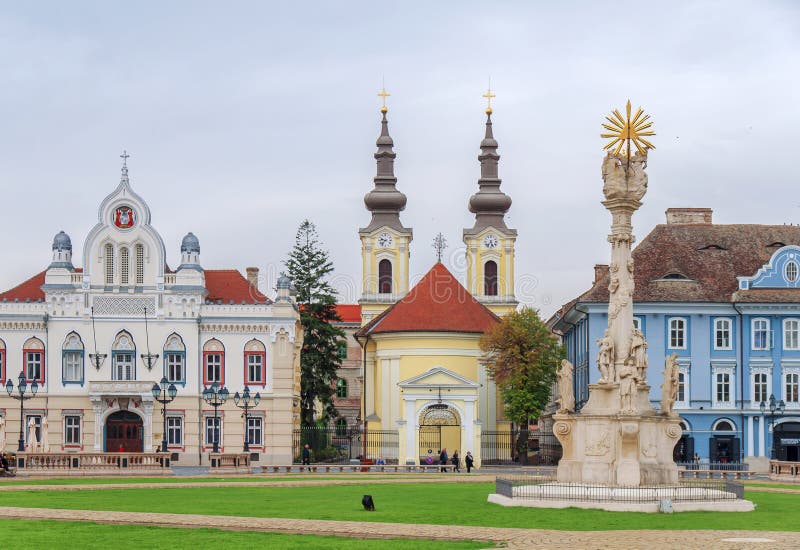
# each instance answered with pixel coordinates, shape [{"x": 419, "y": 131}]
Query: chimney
[
  {"x": 689, "y": 216},
  {"x": 252, "y": 276},
  {"x": 599, "y": 271}
]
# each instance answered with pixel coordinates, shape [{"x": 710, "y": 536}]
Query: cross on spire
[
  {"x": 489, "y": 95},
  {"x": 124, "y": 156},
  {"x": 439, "y": 244},
  {"x": 383, "y": 94}
]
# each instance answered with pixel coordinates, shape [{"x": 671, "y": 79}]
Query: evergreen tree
[{"x": 309, "y": 267}]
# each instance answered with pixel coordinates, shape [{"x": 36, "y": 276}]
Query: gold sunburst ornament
[{"x": 626, "y": 130}]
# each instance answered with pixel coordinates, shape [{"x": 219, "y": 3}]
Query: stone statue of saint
[
  {"x": 669, "y": 388},
  {"x": 605, "y": 359},
  {"x": 639, "y": 354},
  {"x": 627, "y": 386},
  {"x": 566, "y": 395},
  {"x": 625, "y": 178}
]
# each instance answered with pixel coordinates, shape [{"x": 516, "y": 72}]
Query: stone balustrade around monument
[{"x": 781, "y": 470}]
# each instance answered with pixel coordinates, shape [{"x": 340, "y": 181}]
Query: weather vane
[
  {"x": 489, "y": 95},
  {"x": 439, "y": 244},
  {"x": 626, "y": 130},
  {"x": 383, "y": 94}
]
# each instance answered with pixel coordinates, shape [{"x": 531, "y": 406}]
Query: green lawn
[
  {"x": 446, "y": 504},
  {"x": 31, "y": 535}
]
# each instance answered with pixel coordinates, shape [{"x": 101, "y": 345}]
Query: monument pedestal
[{"x": 604, "y": 445}]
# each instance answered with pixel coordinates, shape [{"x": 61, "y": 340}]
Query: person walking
[
  {"x": 469, "y": 461},
  {"x": 455, "y": 461},
  {"x": 306, "y": 454},
  {"x": 443, "y": 459}
]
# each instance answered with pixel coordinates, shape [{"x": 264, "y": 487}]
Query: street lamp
[
  {"x": 216, "y": 396},
  {"x": 22, "y": 387},
  {"x": 246, "y": 406},
  {"x": 775, "y": 409},
  {"x": 164, "y": 394}
]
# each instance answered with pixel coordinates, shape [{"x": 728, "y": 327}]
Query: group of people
[
  {"x": 5, "y": 465},
  {"x": 455, "y": 460}
]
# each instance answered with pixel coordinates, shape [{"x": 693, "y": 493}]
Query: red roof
[
  {"x": 222, "y": 284},
  {"x": 438, "y": 303},
  {"x": 349, "y": 313}
]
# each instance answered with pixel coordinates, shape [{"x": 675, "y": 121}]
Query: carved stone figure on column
[
  {"x": 669, "y": 388},
  {"x": 605, "y": 359},
  {"x": 639, "y": 354},
  {"x": 628, "y": 380},
  {"x": 566, "y": 394}
]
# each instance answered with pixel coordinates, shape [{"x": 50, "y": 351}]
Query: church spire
[
  {"x": 385, "y": 201},
  {"x": 124, "y": 178},
  {"x": 489, "y": 204}
]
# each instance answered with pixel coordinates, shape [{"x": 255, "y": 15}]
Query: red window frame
[
  {"x": 247, "y": 381},
  {"x": 221, "y": 353},
  {"x": 25, "y": 353}
]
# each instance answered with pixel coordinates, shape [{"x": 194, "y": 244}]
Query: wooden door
[{"x": 124, "y": 433}]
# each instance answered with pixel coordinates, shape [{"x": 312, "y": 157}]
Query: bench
[{"x": 356, "y": 468}]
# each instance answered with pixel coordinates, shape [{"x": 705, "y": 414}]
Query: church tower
[
  {"x": 490, "y": 243},
  {"x": 384, "y": 242}
]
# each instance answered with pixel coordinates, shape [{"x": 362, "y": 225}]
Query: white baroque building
[{"x": 125, "y": 304}]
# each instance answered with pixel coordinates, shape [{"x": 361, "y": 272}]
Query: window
[
  {"x": 385, "y": 277},
  {"x": 677, "y": 333},
  {"x": 791, "y": 328},
  {"x": 723, "y": 426},
  {"x": 175, "y": 431},
  {"x": 124, "y": 265},
  {"x": 723, "y": 387},
  {"x": 123, "y": 357},
  {"x": 175, "y": 359},
  {"x": 255, "y": 358},
  {"x": 637, "y": 323},
  {"x": 341, "y": 388},
  {"x": 139, "y": 264},
  {"x": 33, "y": 360},
  {"x": 760, "y": 334},
  {"x": 341, "y": 427},
  {"x": 109, "y": 264},
  {"x": 213, "y": 362},
  {"x": 255, "y": 430},
  {"x": 72, "y": 358},
  {"x": 760, "y": 387},
  {"x": 790, "y": 271},
  {"x": 722, "y": 334},
  {"x": 341, "y": 349},
  {"x": 213, "y": 430},
  {"x": 72, "y": 430},
  {"x": 2, "y": 362},
  {"x": 490, "y": 278},
  {"x": 792, "y": 380},
  {"x": 681, "y": 398},
  {"x": 123, "y": 366}
]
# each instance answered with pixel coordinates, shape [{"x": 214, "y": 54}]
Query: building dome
[
  {"x": 190, "y": 243},
  {"x": 284, "y": 282},
  {"x": 62, "y": 242}
]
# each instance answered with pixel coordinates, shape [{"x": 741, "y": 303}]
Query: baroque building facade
[
  {"x": 98, "y": 336},
  {"x": 724, "y": 299}
]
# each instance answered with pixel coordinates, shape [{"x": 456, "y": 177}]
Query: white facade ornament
[
  {"x": 566, "y": 391},
  {"x": 669, "y": 388}
]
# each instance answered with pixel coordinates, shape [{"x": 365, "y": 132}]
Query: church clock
[{"x": 385, "y": 240}]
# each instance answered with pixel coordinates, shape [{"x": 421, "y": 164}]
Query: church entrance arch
[
  {"x": 439, "y": 428},
  {"x": 124, "y": 432}
]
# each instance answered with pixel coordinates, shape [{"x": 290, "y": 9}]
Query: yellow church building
[{"x": 423, "y": 375}]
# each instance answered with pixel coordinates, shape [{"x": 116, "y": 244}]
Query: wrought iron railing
[
  {"x": 520, "y": 447},
  {"x": 335, "y": 445}
]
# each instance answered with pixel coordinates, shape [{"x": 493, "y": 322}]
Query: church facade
[
  {"x": 423, "y": 374},
  {"x": 96, "y": 338}
]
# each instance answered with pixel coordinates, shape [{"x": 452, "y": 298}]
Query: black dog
[{"x": 368, "y": 503}]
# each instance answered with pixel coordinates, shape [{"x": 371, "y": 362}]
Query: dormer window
[
  {"x": 776, "y": 244},
  {"x": 790, "y": 271},
  {"x": 674, "y": 276},
  {"x": 713, "y": 247}
]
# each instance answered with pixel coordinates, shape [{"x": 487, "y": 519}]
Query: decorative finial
[
  {"x": 383, "y": 94},
  {"x": 124, "y": 156},
  {"x": 489, "y": 95},
  {"x": 626, "y": 130},
  {"x": 439, "y": 244}
]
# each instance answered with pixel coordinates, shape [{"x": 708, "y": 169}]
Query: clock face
[
  {"x": 490, "y": 241},
  {"x": 385, "y": 240}
]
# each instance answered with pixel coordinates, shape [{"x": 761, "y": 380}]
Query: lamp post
[
  {"x": 215, "y": 395},
  {"x": 164, "y": 394},
  {"x": 244, "y": 402},
  {"x": 22, "y": 387},
  {"x": 775, "y": 409}
]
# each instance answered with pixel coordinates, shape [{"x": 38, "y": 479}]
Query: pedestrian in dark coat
[
  {"x": 443, "y": 459},
  {"x": 455, "y": 461},
  {"x": 469, "y": 461}
]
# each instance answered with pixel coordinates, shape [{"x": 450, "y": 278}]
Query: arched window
[
  {"x": 385, "y": 277},
  {"x": 213, "y": 362},
  {"x": 2, "y": 362},
  {"x": 724, "y": 426},
  {"x": 175, "y": 359},
  {"x": 490, "y": 278},
  {"x": 72, "y": 359},
  {"x": 109, "y": 260},
  {"x": 341, "y": 388},
  {"x": 341, "y": 427},
  {"x": 33, "y": 360},
  {"x": 123, "y": 357},
  {"x": 255, "y": 363},
  {"x": 124, "y": 265},
  {"x": 139, "y": 264}
]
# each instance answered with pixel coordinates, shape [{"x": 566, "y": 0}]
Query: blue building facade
[{"x": 726, "y": 300}]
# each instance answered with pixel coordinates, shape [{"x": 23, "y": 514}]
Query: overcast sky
[{"x": 244, "y": 118}]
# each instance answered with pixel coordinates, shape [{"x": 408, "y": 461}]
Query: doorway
[
  {"x": 439, "y": 428},
  {"x": 124, "y": 433}
]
